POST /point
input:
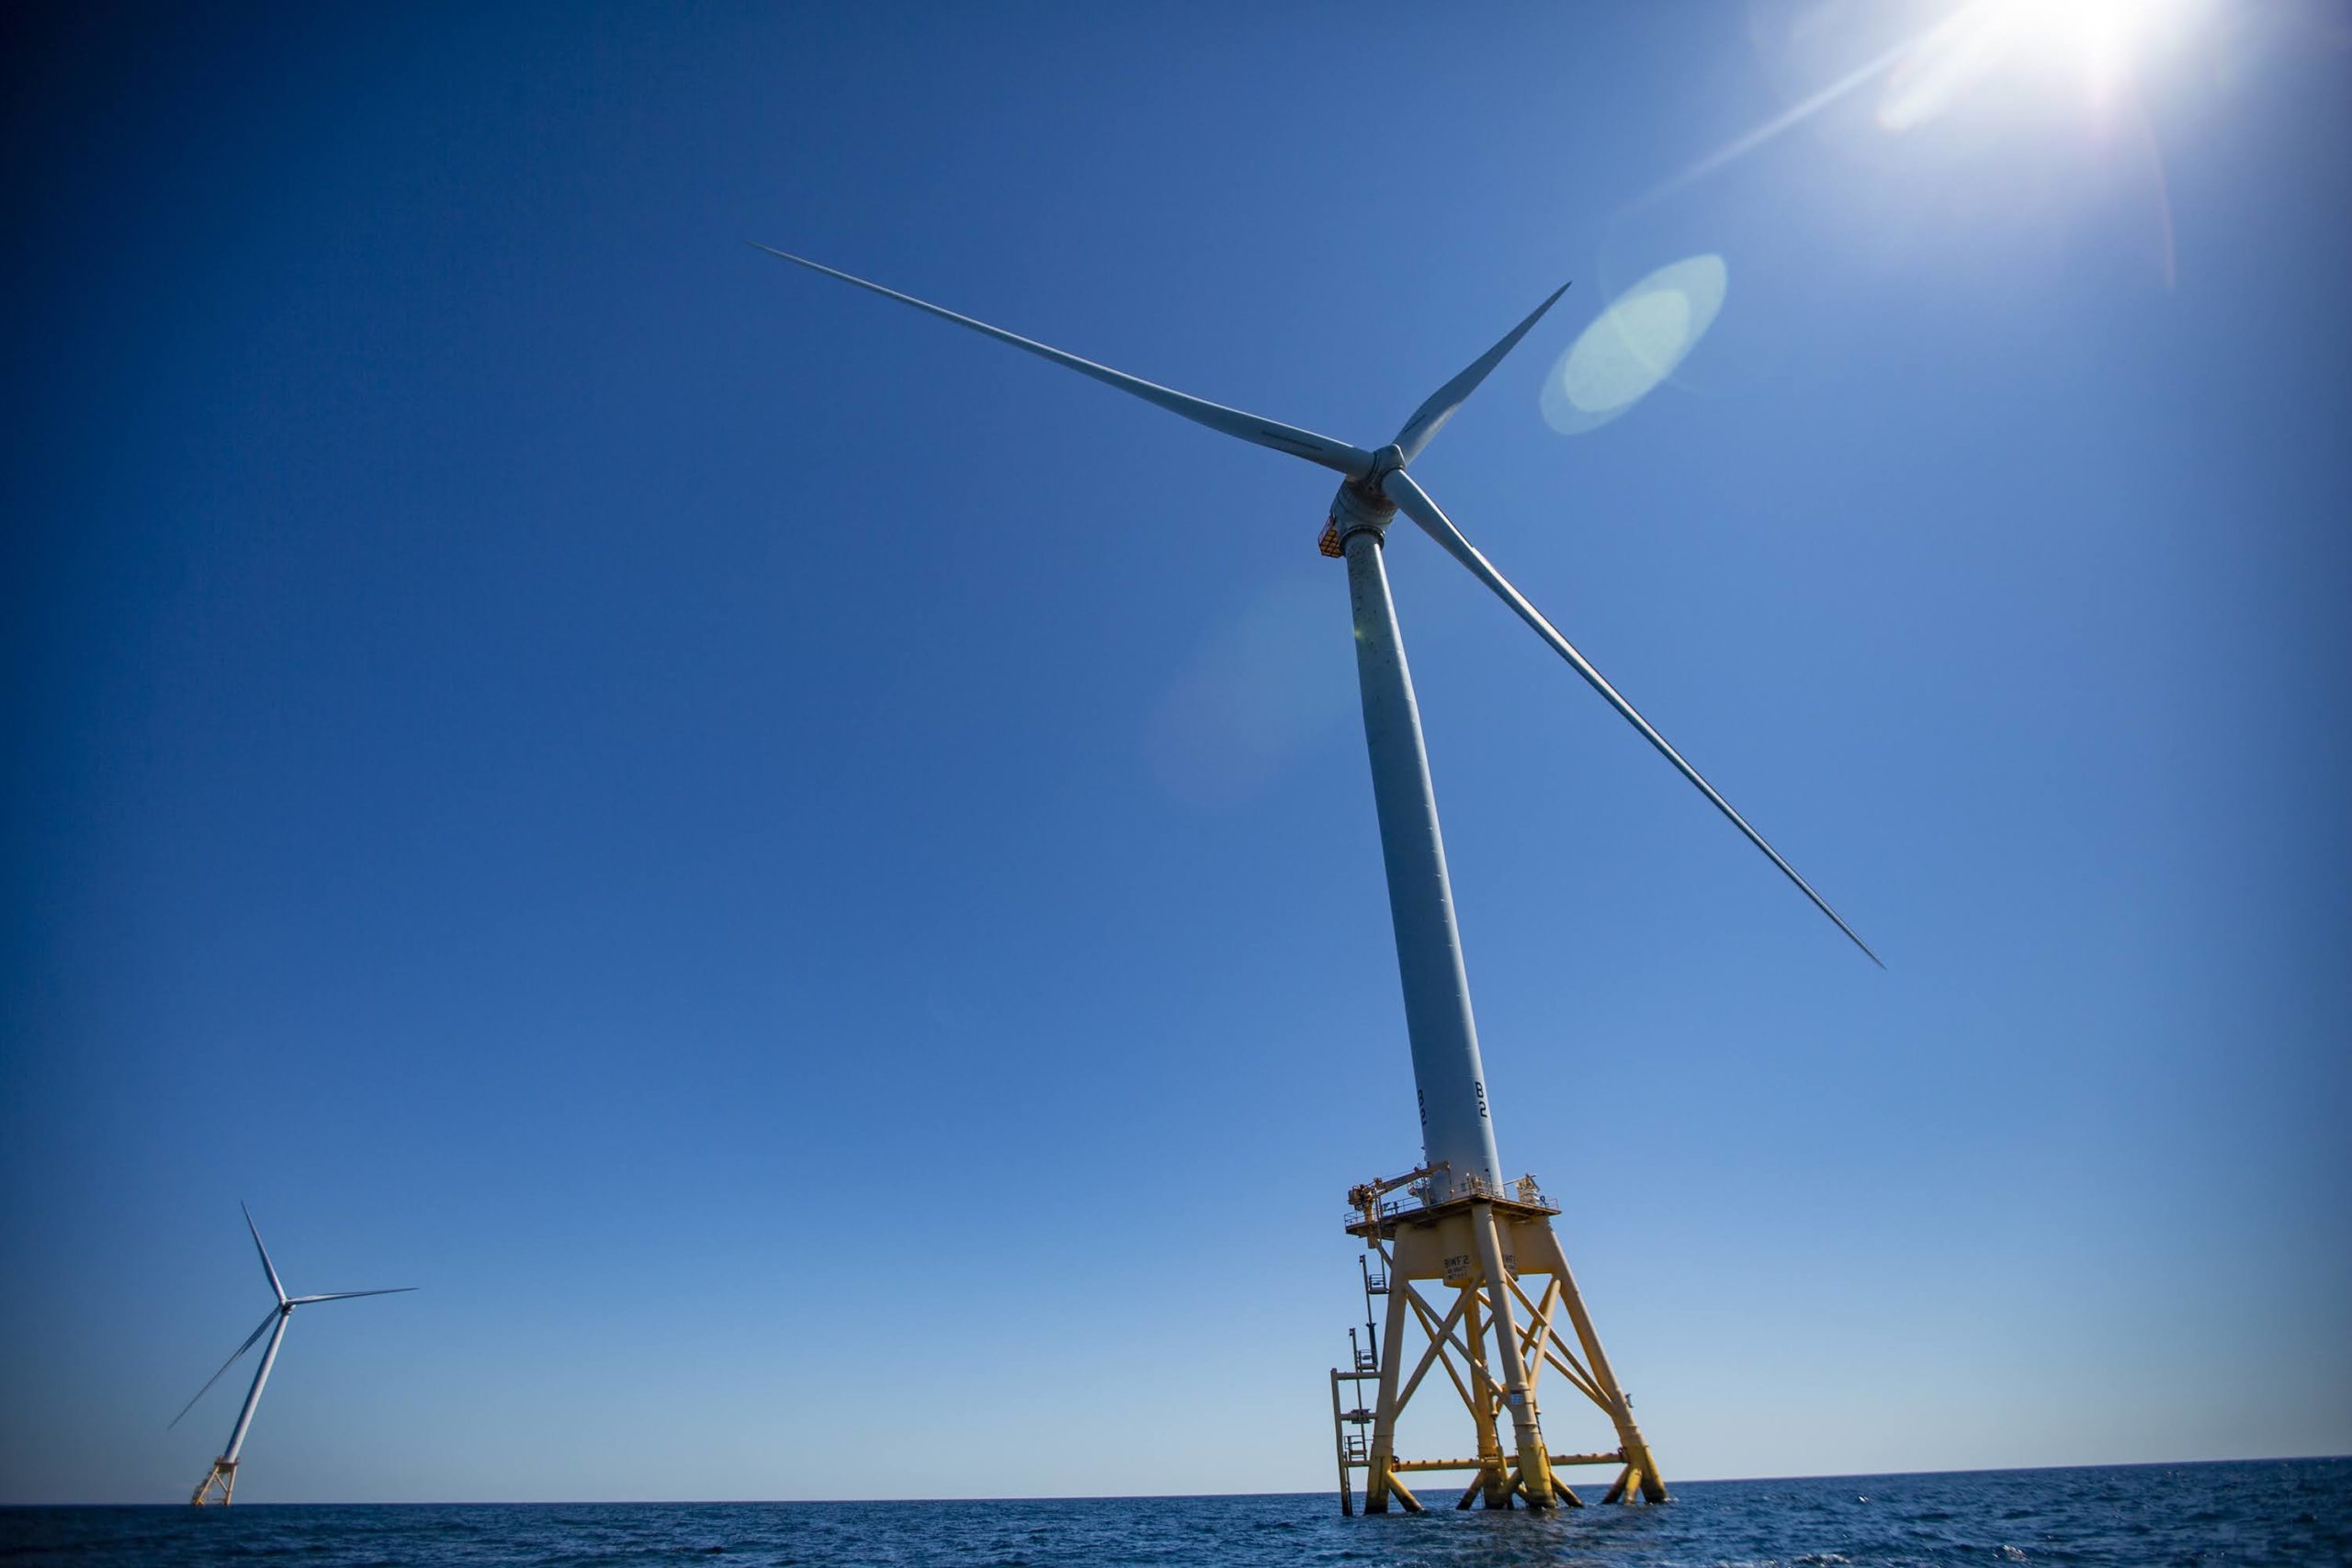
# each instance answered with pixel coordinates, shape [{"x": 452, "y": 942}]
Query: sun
[
  {"x": 2095, "y": 37},
  {"x": 2089, "y": 48}
]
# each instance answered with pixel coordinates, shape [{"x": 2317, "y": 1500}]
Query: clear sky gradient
[{"x": 811, "y": 878}]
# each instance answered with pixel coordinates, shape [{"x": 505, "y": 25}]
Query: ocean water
[{"x": 2281, "y": 1511}]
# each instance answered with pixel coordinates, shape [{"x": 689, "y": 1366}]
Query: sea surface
[{"x": 2280, "y": 1511}]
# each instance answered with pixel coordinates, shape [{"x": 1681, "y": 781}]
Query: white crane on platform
[
  {"x": 1463, "y": 1227},
  {"x": 223, "y": 1477}
]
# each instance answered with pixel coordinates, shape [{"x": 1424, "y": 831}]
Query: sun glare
[{"x": 2090, "y": 47}]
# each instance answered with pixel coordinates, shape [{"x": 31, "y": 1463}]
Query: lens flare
[{"x": 1634, "y": 345}]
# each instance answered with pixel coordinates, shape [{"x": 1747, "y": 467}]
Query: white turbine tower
[
  {"x": 223, "y": 1476},
  {"x": 1463, "y": 1227}
]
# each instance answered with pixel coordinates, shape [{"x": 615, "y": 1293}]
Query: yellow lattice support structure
[
  {"x": 1461, "y": 1281},
  {"x": 222, "y": 1480}
]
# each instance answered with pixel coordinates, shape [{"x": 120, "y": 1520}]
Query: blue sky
[{"x": 811, "y": 878}]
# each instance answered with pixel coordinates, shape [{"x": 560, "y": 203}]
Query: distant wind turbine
[{"x": 223, "y": 1477}]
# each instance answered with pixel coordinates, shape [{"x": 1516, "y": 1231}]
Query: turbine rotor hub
[{"x": 1360, "y": 505}]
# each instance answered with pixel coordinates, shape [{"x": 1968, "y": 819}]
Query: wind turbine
[
  {"x": 223, "y": 1476},
  {"x": 1460, "y": 1226}
]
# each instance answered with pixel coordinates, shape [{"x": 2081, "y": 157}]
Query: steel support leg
[
  {"x": 1379, "y": 1482},
  {"x": 1527, "y": 1431},
  {"x": 1641, "y": 1470}
]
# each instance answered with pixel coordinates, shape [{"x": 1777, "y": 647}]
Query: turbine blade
[
  {"x": 1431, "y": 417},
  {"x": 267, "y": 1267},
  {"x": 1415, "y": 503},
  {"x": 346, "y": 1295},
  {"x": 269, "y": 1319},
  {"x": 1336, "y": 455}
]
